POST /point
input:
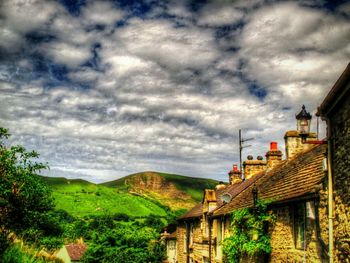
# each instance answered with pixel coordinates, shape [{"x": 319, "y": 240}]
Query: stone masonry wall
[
  {"x": 253, "y": 167},
  {"x": 340, "y": 123},
  {"x": 180, "y": 233},
  {"x": 294, "y": 145},
  {"x": 282, "y": 240}
]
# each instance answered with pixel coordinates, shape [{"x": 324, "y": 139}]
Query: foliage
[
  {"x": 15, "y": 254},
  {"x": 249, "y": 232},
  {"x": 25, "y": 201},
  {"x": 125, "y": 244}
]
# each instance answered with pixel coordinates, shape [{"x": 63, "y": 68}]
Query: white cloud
[
  {"x": 167, "y": 94},
  {"x": 18, "y": 17},
  {"x": 67, "y": 54},
  {"x": 24, "y": 16},
  {"x": 286, "y": 52},
  {"x": 214, "y": 14},
  {"x": 101, "y": 12},
  {"x": 161, "y": 42}
]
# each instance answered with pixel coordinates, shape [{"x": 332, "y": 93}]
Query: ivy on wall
[{"x": 249, "y": 232}]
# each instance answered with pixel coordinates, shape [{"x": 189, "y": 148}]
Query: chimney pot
[{"x": 273, "y": 146}]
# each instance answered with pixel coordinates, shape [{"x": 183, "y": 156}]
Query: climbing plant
[{"x": 249, "y": 232}]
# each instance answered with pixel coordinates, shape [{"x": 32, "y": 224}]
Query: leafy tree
[
  {"x": 154, "y": 222},
  {"x": 25, "y": 201},
  {"x": 125, "y": 244}
]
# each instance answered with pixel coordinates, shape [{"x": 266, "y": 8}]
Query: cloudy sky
[{"x": 102, "y": 89}]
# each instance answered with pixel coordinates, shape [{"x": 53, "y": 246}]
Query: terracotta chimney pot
[{"x": 273, "y": 146}]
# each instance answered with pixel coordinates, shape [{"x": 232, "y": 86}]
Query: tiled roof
[
  {"x": 76, "y": 251},
  {"x": 196, "y": 211},
  {"x": 289, "y": 180},
  {"x": 172, "y": 235}
]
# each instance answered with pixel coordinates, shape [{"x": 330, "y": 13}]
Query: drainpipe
[
  {"x": 210, "y": 225},
  {"x": 330, "y": 189},
  {"x": 330, "y": 200}
]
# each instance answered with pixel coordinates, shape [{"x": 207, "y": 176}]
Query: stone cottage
[
  {"x": 335, "y": 109},
  {"x": 300, "y": 188},
  {"x": 296, "y": 187}
]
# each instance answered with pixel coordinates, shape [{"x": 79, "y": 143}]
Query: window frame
[{"x": 299, "y": 225}]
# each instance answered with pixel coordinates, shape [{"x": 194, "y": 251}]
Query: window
[
  {"x": 191, "y": 235},
  {"x": 300, "y": 225},
  {"x": 219, "y": 238}
]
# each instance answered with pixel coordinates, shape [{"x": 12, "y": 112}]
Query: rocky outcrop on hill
[{"x": 155, "y": 186}]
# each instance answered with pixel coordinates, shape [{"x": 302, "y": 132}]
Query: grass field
[{"x": 80, "y": 198}]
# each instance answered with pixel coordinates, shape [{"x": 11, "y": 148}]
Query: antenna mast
[{"x": 241, "y": 147}]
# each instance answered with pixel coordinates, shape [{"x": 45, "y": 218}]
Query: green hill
[
  {"x": 80, "y": 198},
  {"x": 175, "y": 191}
]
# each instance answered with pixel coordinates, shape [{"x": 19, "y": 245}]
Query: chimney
[
  {"x": 209, "y": 200},
  {"x": 220, "y": 186},
  {"x": 273, "y": 156},
  {"x": 235, "y": 175},
  {"x": 294, "y": 145},
  {"x": 252, "y": 167}
]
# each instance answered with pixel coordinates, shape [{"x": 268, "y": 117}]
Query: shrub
[{"x": 249, "y": 228}]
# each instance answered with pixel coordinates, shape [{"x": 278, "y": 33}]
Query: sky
[{"x": 103, "y": 89}]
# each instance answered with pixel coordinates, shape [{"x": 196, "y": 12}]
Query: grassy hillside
[
  {"x": 174, "y": 190},
  {"x": 80, "y": 198}
]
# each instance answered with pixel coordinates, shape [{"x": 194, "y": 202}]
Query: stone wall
[
  {"x": 180, "y": 234},
  {"x": 283, "y": 239},
  {"x": 294, "y": 145},
  {"x": 253, "y": 167},
  {"x": 340, "y": 125},
  {"x": 273, "y": 158},
  {"x": 198, "y": 244}
]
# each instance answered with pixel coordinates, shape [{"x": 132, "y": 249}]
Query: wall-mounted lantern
[
  {"x": 303, "y": 126},
  {"x": 303, "y": 123}
]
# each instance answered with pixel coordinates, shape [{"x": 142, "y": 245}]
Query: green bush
[
  {"x": 125, "y": 244},
  {"x": 14, "y": 254},
  {"x": 249, "y": 233}
]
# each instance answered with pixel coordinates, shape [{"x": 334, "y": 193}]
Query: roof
[
  {"x": 197, "y": 210},
  {"x": 287, "y": 181},
  {"x": 337, "y": 92},
  {"x": 76, "y": 251},
  {"x": 171, "y": 235}
]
